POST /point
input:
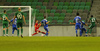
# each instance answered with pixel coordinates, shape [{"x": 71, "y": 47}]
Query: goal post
[{"x": 26, "y": 9}]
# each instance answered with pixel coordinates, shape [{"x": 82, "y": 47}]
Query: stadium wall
[
  {"x": 54, "y": 31},
  {"x": 64, "y": 31}
]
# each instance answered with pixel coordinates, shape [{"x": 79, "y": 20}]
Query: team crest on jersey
[{"x": 19, "y": 15}]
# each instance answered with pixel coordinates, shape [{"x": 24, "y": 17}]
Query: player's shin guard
[
  {"x": 3, "y": 32},
  {"x": 80, "y": 32},
  {"x": 17, "y": 32},
  {"x": 6, "y": 31},
  {"x": 21, "y": 31}
]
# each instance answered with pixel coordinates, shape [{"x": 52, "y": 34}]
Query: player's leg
[
  {"x": 13, "y": 29},
  {"x": 85, "y": 31},
  {"x": 76, "y": 28},
  {"x": 18, "y": 29},
  {"x": 89, "y": 28},
  {"x": 47, "y": 31},
  {"x": 36, "y": 32},
  {"x": 80, "y": 28},
  {"x": 3, "y": 29},
  {"x": 7, "y": 30},
  {"x": 41, "y": 32},
  {"x": 81, "y": 31},
  {"x": 21, "y": 29}
]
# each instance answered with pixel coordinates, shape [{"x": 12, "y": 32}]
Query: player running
[
  {"x": 77, "y": 21},
  {"x": 20, "y": 17},
  {"x": 45, "y": 23},
  {"x": 14, "y": 25},
  {"x": 82, "y": 28},
  {"x": 37, "y": 26},
  {"x": 92, "y": 25},
  {"x": 5, "y": 19}
]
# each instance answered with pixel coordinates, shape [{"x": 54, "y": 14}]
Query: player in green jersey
[
  {"x": 20, "y": 17},
  {"x": 4, "y": 18},
  {"x": 93, "y": 21}
]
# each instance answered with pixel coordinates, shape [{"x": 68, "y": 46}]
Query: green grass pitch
[{"x": 50, "y": 44}]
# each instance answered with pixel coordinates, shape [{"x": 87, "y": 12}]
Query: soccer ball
[{"x": 42, "y": 34}]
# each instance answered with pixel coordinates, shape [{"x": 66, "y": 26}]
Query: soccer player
[
  {"x": 92, "y": 25},
  {"x": 20, "y": 17},
  {"x": 5, "y": 19},
  {"x": 37, "y": 26},
  {"x": 82, "y": 28},
  {"x": 77, "y": 21},
  {"x": 14, "y": 25},
  {"x": 45, "y": 23}
]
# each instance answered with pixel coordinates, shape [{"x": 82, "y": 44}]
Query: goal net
[{"x": 11, "y": 10}]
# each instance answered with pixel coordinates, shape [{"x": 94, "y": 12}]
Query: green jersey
[
  {"x": 4, "y": 18},
  {"x": 19, "y": 16},
  {"x": 93, "y": 20}
]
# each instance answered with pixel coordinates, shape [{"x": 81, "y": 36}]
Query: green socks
[
  {"x": 21, "y": 31},
  {"x": 87, "y": 31},
  {"x": 3, "y": 32},
  {"x": 90, "y": 31},
  {"x": 17, "y": 32},
  {"x": 6, "y": 31}
]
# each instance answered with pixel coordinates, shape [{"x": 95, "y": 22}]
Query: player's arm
[
  {"x": 86, "y": 24},
  {"x": 39, "y": 24},
  {"x": 89, "y": 21},
  {"x": 80, "y": 20},
  {"x": 72, "y": 23},
  {"x": 35, "y": 26},
  {"x": 47, "y": 22},
  {"x": 97, "y": 21},
  {"x": 11, "y": 21},
  {"x": 24, "y": 19},
  {"x": 14, "y": 19},
  {"x": 0, "y": 18},
  {"x": 7, "y": 19}
]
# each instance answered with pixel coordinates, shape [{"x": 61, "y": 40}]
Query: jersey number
[
  {"x": 93, "y": 19},
  {"x": 4, "y": 17},
  {"x": 19, "y": 16}
]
